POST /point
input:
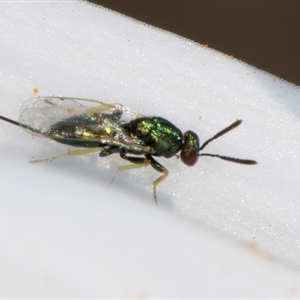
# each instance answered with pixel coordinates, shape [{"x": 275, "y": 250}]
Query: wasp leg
[
  {"x": 69, "y": 153},
  {"x": 141, "y": 162},
  {"x": 104, "y": 107},
  {"x": 106, "y": 151},
  {"x": 160, "y": 168},
  {"x": 137, "y": 162}
]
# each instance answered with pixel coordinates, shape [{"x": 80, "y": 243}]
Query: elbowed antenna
[
  {"x": 232, "y": 159},
  {"x": 12, "y": 121},
  {"x": 222, "y": 132},
  {"x": 18, "y": 124}
]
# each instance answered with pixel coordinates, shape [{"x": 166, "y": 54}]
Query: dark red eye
[
  {"x": 189, "y": 152},
  {"x": 189, "y": 157}
]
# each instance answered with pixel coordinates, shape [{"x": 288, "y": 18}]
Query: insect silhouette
[{"x": 95, "y": 126}]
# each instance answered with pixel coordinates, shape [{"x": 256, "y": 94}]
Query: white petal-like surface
[{"x": 220, "y": 230}]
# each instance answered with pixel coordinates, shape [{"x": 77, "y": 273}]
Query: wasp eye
[
  {"x": 189, "y": 157},
  {"x": 189, "y": 152}
]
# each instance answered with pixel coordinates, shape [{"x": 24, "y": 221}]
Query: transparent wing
[
  {"x": 40, "y": 113},
  {"x": 77, "y": 122}
]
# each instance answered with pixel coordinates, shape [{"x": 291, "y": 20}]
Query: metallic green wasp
[{"x": 95, "y": 126}]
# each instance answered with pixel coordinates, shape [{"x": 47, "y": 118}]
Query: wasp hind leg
[
  {"x": 117, "y": 108},
  {"x": 138, "y": 162},
  {"x": 69, "y": 153}
]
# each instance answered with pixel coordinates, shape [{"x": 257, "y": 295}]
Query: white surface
[{"x": 221, "y": 229}]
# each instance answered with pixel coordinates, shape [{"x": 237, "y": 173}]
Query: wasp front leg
[
  {"x": 138, "y": 162},
  {"x": 160, "y": 168}
]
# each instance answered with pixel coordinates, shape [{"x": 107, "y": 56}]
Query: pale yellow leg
[
  {"x": 158, "y": 181},
  {"x": 144, "y": 164},
  {"x": 69, "y": 153},
  {"x": 128, "y": 167},
  {"x": 101, "y": 108}
]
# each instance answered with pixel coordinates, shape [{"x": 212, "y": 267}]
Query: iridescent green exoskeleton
[{"x": 95, "y": 126}]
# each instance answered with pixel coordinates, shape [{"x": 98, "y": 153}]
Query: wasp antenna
[
  {"x": 16, "y": 123},
  {"x": 232, "y": 159},
  {"x": 11, "y": 121},
  {"x": 225, "y": 130}
]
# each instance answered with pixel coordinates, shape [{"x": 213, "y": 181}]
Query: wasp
[{"x": 94, "y": 126}]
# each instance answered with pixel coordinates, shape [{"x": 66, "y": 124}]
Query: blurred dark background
[{"x": 265, "y": 34}]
